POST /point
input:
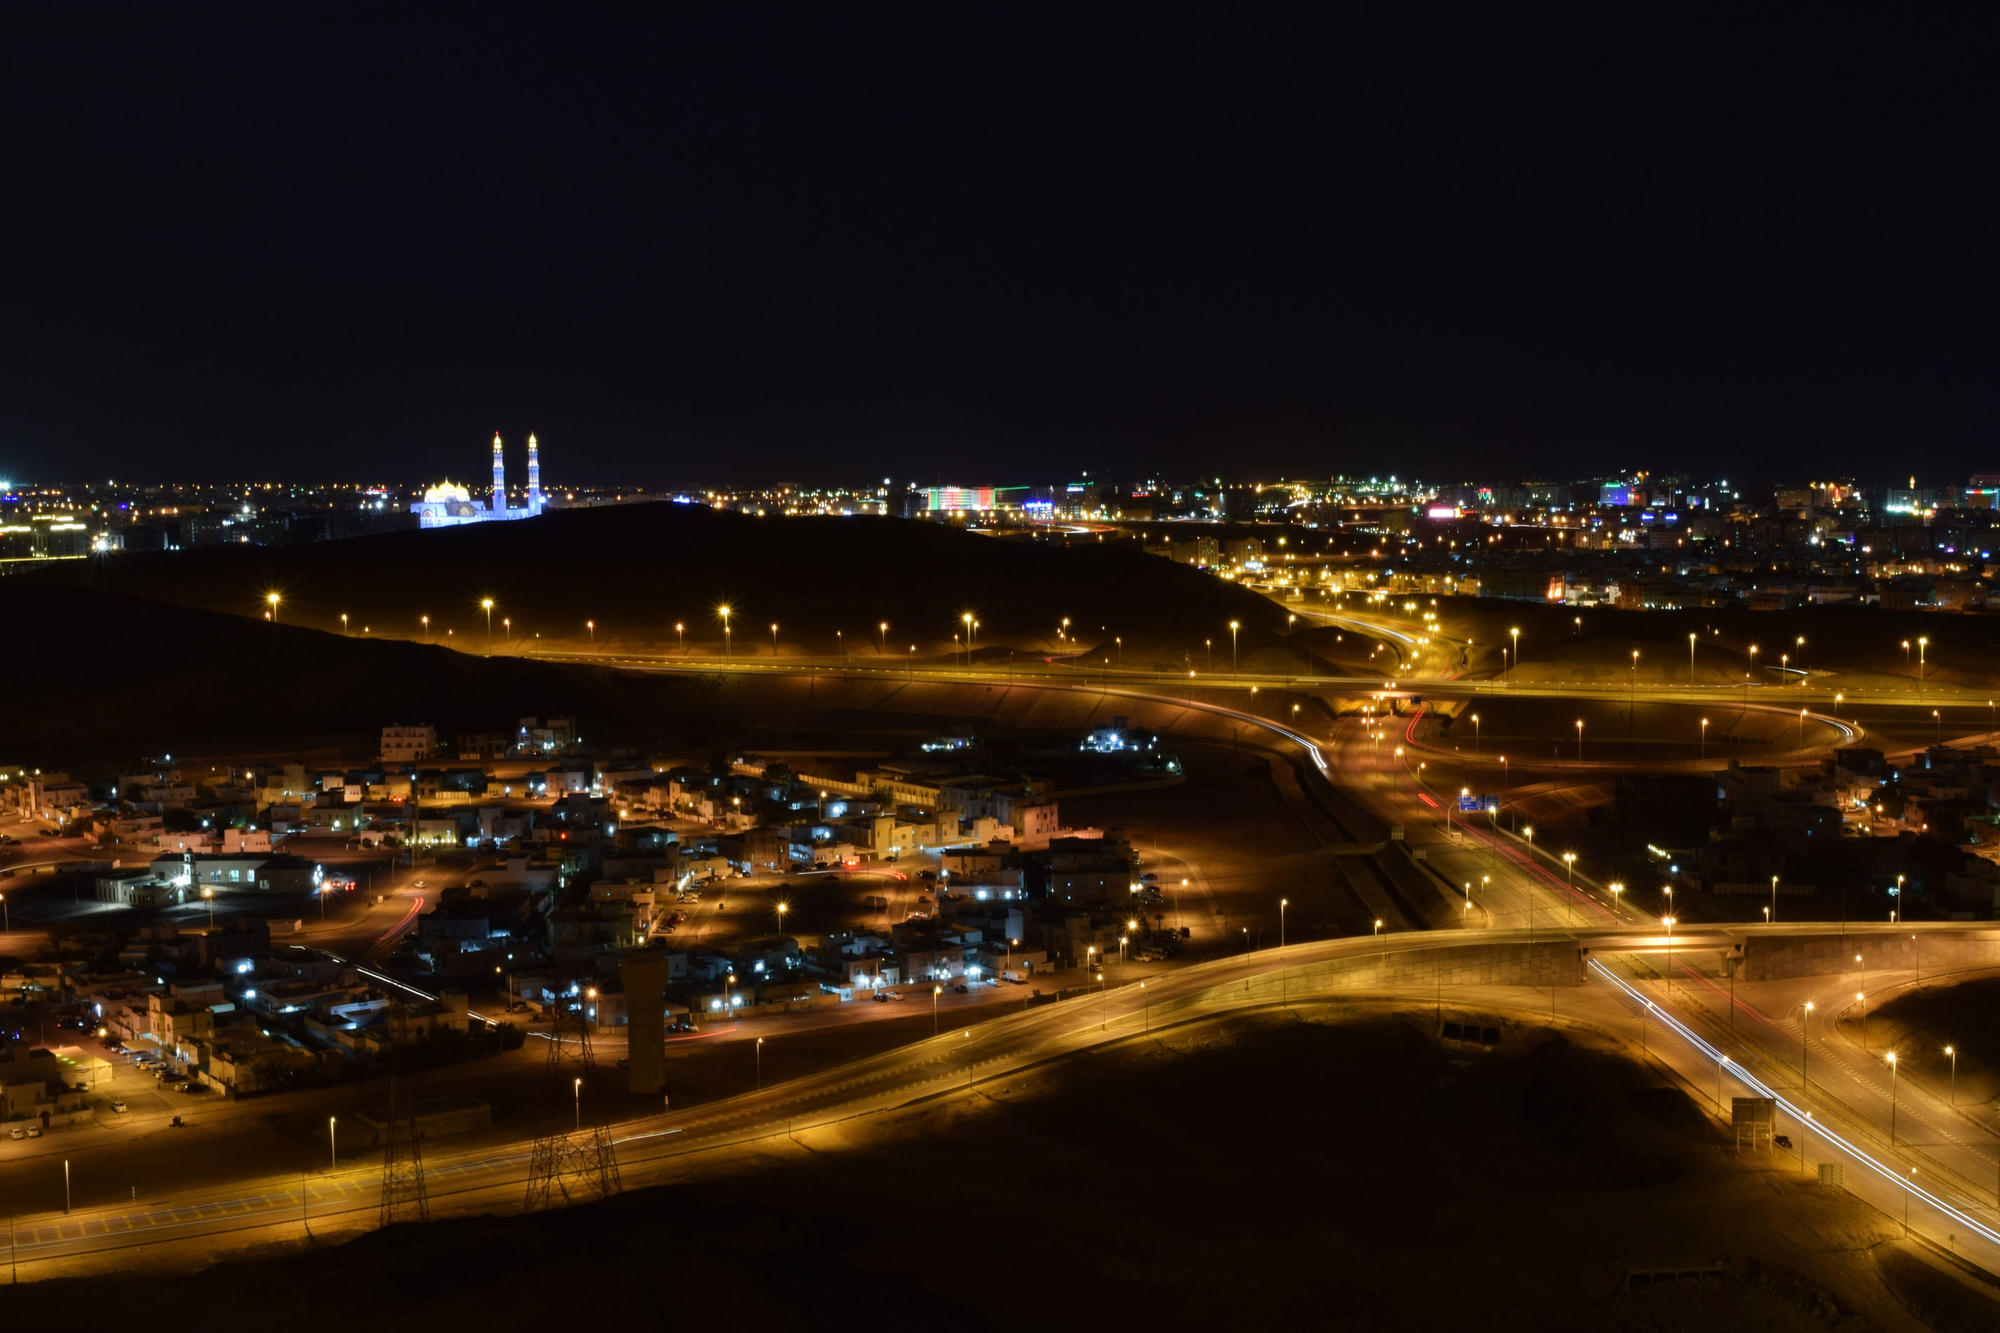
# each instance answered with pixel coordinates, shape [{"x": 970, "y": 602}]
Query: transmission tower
[
  {"x": 403, "y": 1196},
  {"x": 574, "y": 1162}
]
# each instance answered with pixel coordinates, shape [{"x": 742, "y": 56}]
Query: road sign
[{"x": 1478, "y": 805}]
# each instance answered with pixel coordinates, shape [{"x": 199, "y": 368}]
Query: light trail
[{"x": 1798, "y": 1114}]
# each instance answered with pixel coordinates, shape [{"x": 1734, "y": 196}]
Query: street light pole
[
  {"x": 1233, "y": 671},
  {"x": 1805, "y": 1042},
  {"x": 1952, "y": 1051},
  {"x": 1891, "y": 1058},
  {"x": 1283, "y": 903},
  {"x": 332, "y": 1146}
]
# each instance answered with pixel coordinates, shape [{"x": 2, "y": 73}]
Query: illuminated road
[
  {"x": 1517, "y": 881},
  {"x": 671, "y": 1146}
]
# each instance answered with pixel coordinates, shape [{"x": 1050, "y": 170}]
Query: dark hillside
[{"x": 636, "y": 570}]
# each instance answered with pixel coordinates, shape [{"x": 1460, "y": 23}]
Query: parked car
[
  {"x": 118, "y": 1106},
  {"x": 34, "y": 1131},
  {"x": 17, "y": 1133},
  {"x": 191, "y": 1088}
]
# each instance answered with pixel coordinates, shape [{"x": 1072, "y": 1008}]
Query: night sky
[{"x": 996, "y": 244}]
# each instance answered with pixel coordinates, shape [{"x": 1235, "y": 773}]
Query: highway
[
  {"x": 674, "y": 1145},
  {"x": 1519, "y": 898}
]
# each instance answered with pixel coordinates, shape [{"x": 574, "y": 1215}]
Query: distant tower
[
  {"x": 403, "y": 1195},
  {"x": 568, "y": 1163},
  {"x": 499, "y": 505},
  {"x": 534, "y": 475}
]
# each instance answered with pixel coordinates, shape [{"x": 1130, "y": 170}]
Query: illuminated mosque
[{"x": 447, "y": 504}]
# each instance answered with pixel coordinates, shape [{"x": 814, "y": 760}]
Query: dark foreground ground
[{"x": 1325, "y": 1168}]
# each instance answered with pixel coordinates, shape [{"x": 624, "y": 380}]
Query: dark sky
[{"x": 996, "y": 243}]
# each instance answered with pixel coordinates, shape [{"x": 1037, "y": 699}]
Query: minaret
[
  {"x": 499, "y": 505},
  {"x": 534, "y": 475}
]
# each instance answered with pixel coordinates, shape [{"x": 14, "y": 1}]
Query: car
[
  {"x": 190, "y": 1088},
  {"x": 879, "y": 997},
  {"x": 34, "y": 1131},
  {"x": 118, "y": 1106},
  {"x": 960, "y": 989},
  {"x": 1149, "y": 877},
  {"x": 891, "y": 994},
  {"x": 927, "y": 874},
  {"x": 17, "y": 1133},
  {"x": 178, "y": 1123}
]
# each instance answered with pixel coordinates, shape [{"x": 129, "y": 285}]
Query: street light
[
  {"x": 1774, "y": 897},
  {"x": 590, "y": 626},
  {"x": 578, "y": 1088},
  {"x": 724, "y": 611},
  {"x": 1283, "y": 903},
  {"x": 1669, "y": 920},
  {"x": 427, "y": 627},
  {"x": 1579, "y": 740},
  {"x": 774, "y": 638},
  {"x": 935, "y": 992},
  {"x": 1923, "y": 642},
  {"x": 332, "y": 1146},
  {"x": 1805, "y": 1032},
  {"x": 486, "y": 605},
  {"x": 273, "y": 599},
  {"x": 680, "y": 636},
  {"x": 1952, "y": 1051},
  {"x": 209, "y": 894},
  {"x": 1233, "y": 626},
  {"x": 1475, "y": 733},
  {"x": 760, "y": 1064},
  {"x": 882, "y": 638},
  {"x": 1891, "y": 1058},
  {"x": 1691, "y": 639},
  {"x": 1569, "y": 860},
  {"x": 1862, "y": 1000},
  {"x": 1704, "y": 738},
  {"x": 343, "y": 622},
  {"x": 1616, "y": 889}
]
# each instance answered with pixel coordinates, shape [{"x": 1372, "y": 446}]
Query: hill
[
  {"x": 638, "y": 570},
  {"x": 121, "y": 676}
]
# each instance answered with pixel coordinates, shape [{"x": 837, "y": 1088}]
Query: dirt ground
[{"x": 1327, "y": 1168}]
